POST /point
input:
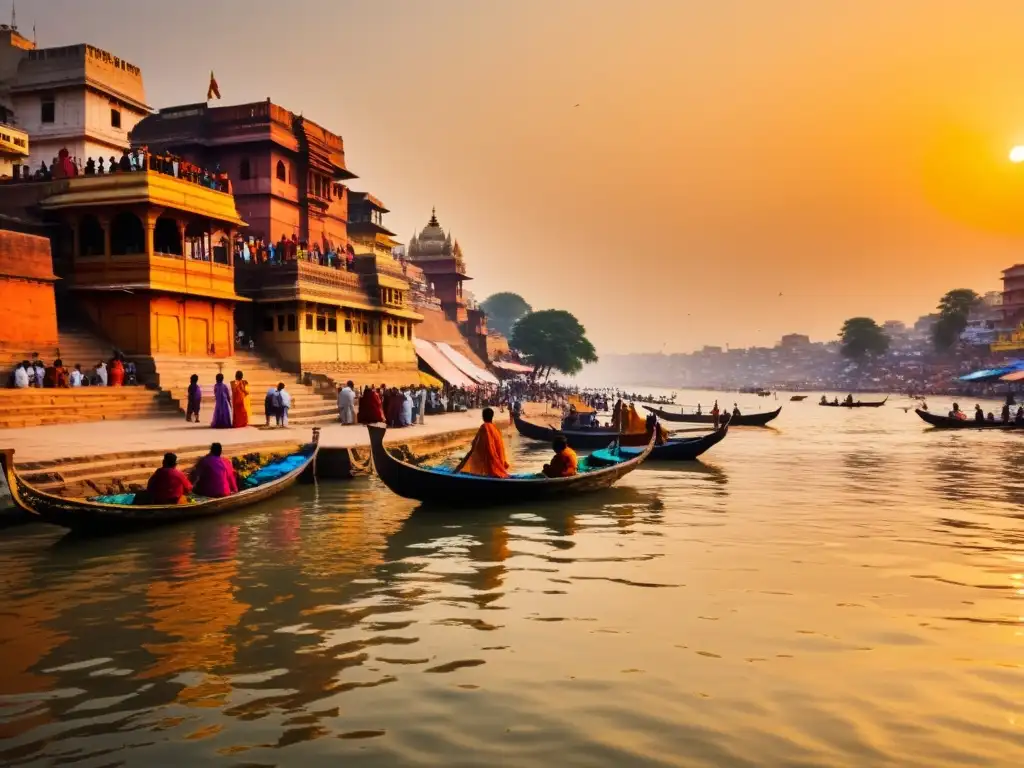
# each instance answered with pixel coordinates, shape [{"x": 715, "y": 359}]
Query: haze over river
[{"x": 842, "y": 589}]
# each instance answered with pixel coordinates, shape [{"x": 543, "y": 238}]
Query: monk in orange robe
[
  {"x": 240, "y": 404},
  {"x": 486, "y": 455},
  {"x": 564, "y": 462}
]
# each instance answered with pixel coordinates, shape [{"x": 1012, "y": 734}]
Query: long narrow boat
[
  {"x": 857, "y": 404},
  {"x": 678, "y": 449},
  {"x": 104, "y": 514},
  {"x": 797, "y": 398},
  {"x": 578, "y": 439},
  {"x": 445, "y": 488},
  {"x": 945, "y": 422},
  {"x": 744, "y": 420}
]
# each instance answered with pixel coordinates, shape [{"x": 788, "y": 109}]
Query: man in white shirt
[
  {"x": 76, "y": 375},
  {"x": 101, "y": 373},
  {"x": 21, "y": 376},
  {"x": 286, "y": 403},
  {"x": 347, "y": 403},
  {"x": 40, "y": 373}
]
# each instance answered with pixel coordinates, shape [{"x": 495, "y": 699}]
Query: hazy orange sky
[{"x": 848, "y": 154}]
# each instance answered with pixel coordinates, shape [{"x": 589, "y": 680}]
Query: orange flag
[{"x": 213, "y": 92}]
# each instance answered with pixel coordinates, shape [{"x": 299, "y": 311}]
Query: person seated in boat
[
  {"x": 168, "y": 485},
  {"x": 849, "y": 400},
  {"x": 572, "y": 419},
  {"x": 1005, "y": 415},
  {"x": 214, "y": 476},
  {"x": 486, "y": 455},
  {"x": 735, "y": 410},
  {"x": 979, "y": 415},
  {"x": 698, "y": 409},
  {"x": 564, "y": 462},
  {"x": 991, "y": 417},
  {"x": 1019, "y": 418},
  {"x": 835, "y": 401}
]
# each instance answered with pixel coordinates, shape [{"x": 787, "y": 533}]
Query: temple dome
[{"x": 431, "y": 243}]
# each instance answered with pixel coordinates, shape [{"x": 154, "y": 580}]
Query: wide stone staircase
[
  {"x": 35, "y": 407},
  {"x": 308, "y": 405}
]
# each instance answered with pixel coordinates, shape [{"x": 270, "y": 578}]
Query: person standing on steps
[
  {"x": 195, "y": 399},
  {"x": 347, "y": 403},
  {"x": 241, "y": 410},
  {"x": 285, "y": 399}
]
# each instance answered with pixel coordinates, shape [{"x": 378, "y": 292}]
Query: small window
[
  {"x": 332, "y": 325},
  {"x": 309, "y": 322},
  {"x": 115, "y": 118},
  {"x": 281, "y": 175},
  {"x": 291, "y": 322},
  {"x": 268, "y": 323},
  {"x": 49, "y": 111},
  {"x": 321, "y": 323},
  {"x": 244, "y": 171},
  {"x": 348, "y": 325},
  {"x": 280, "y": 322}
]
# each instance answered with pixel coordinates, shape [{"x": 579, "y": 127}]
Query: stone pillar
[{"x": 182, "y": 226}]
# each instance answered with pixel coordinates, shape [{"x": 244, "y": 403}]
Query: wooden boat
[
  {"x": 678, "y": 449},
  {"x": 578, "y": 439},
  {"x": 90, "y": 515},
  {"x": 857, "y": 404},
  {"x": 744, "y": 420},
  {"x": 797, "y": 398},
  {"x": 945, "y": 422},
  {"x": 444, "y": 488}
]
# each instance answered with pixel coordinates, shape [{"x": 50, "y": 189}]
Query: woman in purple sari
[{"x": 221, "y": 404}]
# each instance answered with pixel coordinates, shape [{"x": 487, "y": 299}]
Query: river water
[{"x": 843, "y": 589}]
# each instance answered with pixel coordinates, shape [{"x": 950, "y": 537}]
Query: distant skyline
[{"x": 734, "y": 171}]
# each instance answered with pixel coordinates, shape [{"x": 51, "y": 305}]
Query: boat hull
[
  {"x": 680, "y": 449},
  {"x": 945, "y": 422},
  {"x": 462, "y": 490},
  {"x": 858, "y": 404},
  {"x": 97, "y": 517},
  {"x": 578, "y": 439},
  {"x": 745, "y": 420}
]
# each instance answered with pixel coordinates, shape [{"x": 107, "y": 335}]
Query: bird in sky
[{"x": 575, "y": 105}]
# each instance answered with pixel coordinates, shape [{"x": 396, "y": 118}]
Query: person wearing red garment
[
  {"x": 371, "y": 410},
  {"x": 168, "y": 485}
]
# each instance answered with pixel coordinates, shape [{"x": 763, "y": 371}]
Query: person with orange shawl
[
  {"x": 486, "y": 455},
  {"x": 371, "y": 410},
  {"x": 240, "y": 405},
  {"x": 564, "y": 462}
]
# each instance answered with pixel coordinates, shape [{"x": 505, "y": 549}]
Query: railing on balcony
[{"x": 133, "y": 161}]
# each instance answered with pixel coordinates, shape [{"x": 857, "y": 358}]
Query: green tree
[
  {"x": 503, "y": 309},
  {"x": 954, "y": 311},
  {"x": 861, "y": 337},
  {"x": 553, "y": 339}
]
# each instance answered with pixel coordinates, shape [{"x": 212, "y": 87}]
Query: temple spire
[{"x": 433, "y": 217}]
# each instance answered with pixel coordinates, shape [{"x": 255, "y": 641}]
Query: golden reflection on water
[{"x": 842, "y": 589}]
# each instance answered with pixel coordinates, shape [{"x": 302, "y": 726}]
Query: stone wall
[{"x": 28, "y": 313}]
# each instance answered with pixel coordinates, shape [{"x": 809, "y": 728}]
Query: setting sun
[{"x": 1017, "y": 154}]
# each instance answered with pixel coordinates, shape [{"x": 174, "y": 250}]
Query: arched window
[
  {"x": 127, "y": 235},
  {"x": 166, "y": 237},
  {"x": 244, "y": 171},
  {"x": 281, "y": 175},
  {"x": 90, "y": 236}
]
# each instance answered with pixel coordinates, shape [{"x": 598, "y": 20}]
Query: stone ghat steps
[
  {"x": 116, "y": 473},
  {"x": 308, "y": 405},
  {"x": 34, "y": 407}
]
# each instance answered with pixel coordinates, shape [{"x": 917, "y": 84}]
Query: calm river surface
[{"x": 843, "y": 589}]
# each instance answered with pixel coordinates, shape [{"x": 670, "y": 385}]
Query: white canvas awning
[
  {"x": 467, "y": 366},
  {"x": 441, "y": 365}
]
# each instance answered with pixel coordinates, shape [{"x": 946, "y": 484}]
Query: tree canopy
[
  {"x": 862, "y": 336},
  {"x": 553, "y": 339},
  {"x": 503, "y": 309},
  {"x": 954, "y": 310}
]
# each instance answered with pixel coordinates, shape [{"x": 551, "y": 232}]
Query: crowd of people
[
  {"x": 33, "y": 373},
  {"x": 232, "y": 403},
  {"x": 257, "y": 250},
  {"x": 64, "y": 166}
]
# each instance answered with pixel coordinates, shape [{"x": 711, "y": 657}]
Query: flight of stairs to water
[
  {"x": 308, "y": 406},
  {"x": 120, "y": 473}
]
